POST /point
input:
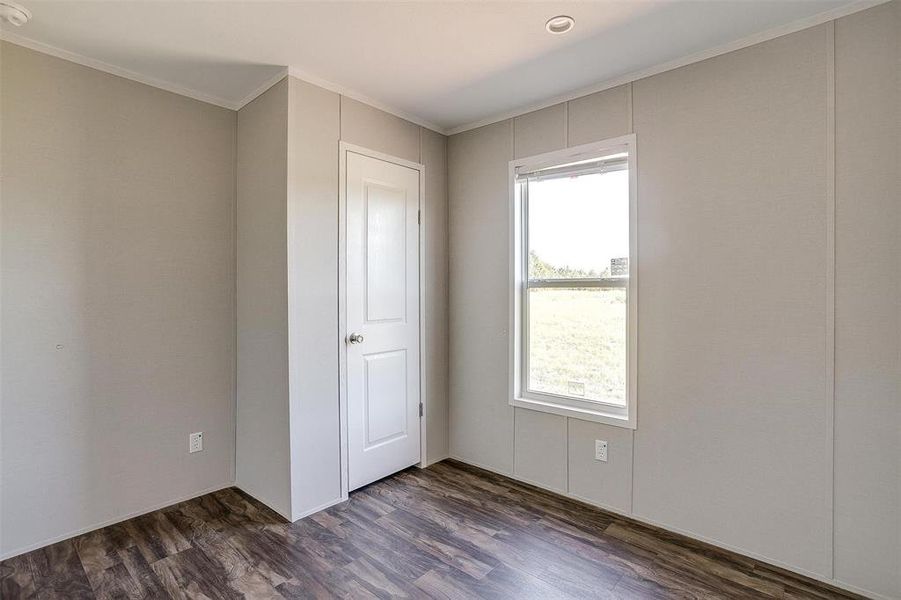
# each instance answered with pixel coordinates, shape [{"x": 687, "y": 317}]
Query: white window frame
[{"x": 520, "y": 395}]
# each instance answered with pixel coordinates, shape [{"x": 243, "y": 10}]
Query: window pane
[
  {"x": 577, "y": 343},
  {"x": 579, "y": 226}
]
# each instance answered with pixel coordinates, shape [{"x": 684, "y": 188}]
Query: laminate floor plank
[
  {"x": 450, "y": 531},
  {"x": 396, "y": 554},
  {"x": 146, "y": 581},
  {"x": 57, "y": 572},
  {"x": 16, "y": 579},
  {"x": 433, "y": 540}
]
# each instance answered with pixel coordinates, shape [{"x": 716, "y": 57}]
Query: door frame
[{"x": 343, "y": 149}]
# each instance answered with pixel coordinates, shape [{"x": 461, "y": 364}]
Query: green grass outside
[{"x": 577, "y": 342}]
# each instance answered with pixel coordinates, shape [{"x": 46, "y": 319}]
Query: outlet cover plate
[
  {"x": 195, "y": 442},
  {"x": 600, "y": 450}
]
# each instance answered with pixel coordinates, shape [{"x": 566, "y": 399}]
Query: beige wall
[
  {"x": 262, "y": 434},
  {"x": 481, "y": 421},
  {"x": 117, "y": 297},
  {"x": 433, "y": 155},
  {"x": 313, "y": 125},
  {"x": 372, "y": 128},
  {"x": 868, "y": 299},
  {"x": 732, "y": 275},
  {"x": 735, "y": 434}
]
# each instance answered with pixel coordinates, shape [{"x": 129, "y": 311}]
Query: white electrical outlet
[
  {"x": 600, "y": 450},
  {"x": 195, "y": 442}
]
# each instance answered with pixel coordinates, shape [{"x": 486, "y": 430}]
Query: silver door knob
[{"x": 355, "y": 338}]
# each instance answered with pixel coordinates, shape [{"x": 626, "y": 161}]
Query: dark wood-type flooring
[{"x": 450, "y": 531}]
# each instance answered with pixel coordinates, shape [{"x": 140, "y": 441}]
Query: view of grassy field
[{"x": 577, "y": 340}]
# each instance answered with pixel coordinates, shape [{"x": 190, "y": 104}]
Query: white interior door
[{"x": 382, "y": 304}]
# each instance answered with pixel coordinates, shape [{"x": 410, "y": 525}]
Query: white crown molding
[
  {"x": 341, "y": 90},
  {"x": 354, "y": 95},
  {"x": 99, "y": 65},
  {"x": 262, "y": 88},
  {"x": 745, "y": 42}
]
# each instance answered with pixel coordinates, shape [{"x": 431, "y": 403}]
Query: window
[{"x": 573, "y": 296}]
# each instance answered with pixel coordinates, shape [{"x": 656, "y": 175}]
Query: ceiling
[{"x": 446, "y": 65}]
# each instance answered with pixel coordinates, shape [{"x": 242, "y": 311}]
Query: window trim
[{"x": 520, "y": 396}]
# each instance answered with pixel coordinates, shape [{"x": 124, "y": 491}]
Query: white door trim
[{"x": 343, "y": 149}]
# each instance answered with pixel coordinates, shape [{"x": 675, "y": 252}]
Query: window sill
[{"x": 597, "y": 416}]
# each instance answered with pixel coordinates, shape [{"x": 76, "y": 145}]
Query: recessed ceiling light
[
  {"x": 14, "y": 14},
  {"x": 559, "y": 24}
]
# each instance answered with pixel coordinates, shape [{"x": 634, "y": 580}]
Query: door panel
[
  {"x": 385, "y": 402},
  {"x": 385, "y": 252},
  {"x": 383, "y": 310}
]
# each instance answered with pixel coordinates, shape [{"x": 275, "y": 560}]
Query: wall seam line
[
  {"x": 424, "y": 315},
  {"x": 566, "y": 455},
  {"x": 509, "y": 268},
  {"x": 447, "y": 328},
  {"x": 830, "y": 292},
  {"x": 630, "y": 105},
  {"x": 289, "y": 238},
  {"x": 234, "y": 233},
  {"x": 631, "y": 108}
]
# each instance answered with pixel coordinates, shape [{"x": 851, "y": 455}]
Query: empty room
[{"x": 450, "y": 299}]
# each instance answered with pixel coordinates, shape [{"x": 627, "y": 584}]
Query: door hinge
[
  {"x": 420, "y": 409},
  {"x": 419, "y": 217}
]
